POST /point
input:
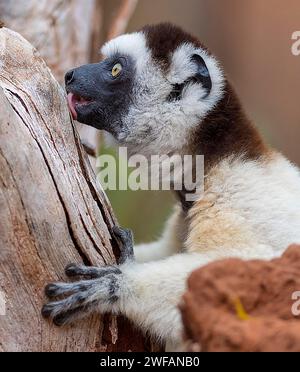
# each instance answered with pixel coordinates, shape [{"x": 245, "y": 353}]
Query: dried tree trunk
[
  {"x": 52, "y": 211},
  {"x": 119, "y": 25},
  {"x": 67, "y": 33},
  {"x": 59, "y": 29},
  {"x": 62, "y": 31}
]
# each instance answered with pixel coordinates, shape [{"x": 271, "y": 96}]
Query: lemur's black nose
[{"x": 69, "y": 77}]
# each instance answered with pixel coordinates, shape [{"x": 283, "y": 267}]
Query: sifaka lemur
[{"x": 160, "y": 91}]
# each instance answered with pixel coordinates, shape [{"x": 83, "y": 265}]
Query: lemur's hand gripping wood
[{"x": 52, "y": 210}]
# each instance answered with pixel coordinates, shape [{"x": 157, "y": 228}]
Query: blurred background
[{"x": 252, "y": 39}]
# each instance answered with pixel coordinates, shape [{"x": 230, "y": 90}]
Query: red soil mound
[{"x": 234, "y": 305}]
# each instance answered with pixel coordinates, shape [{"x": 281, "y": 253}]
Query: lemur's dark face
[
  {"x": 99, "y": 94},
  {"x": 150, "y": 91}
]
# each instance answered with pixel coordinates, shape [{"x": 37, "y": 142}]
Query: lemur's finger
[
  {"x": 73, "y": 315},
  {"x": 62, "y": 289},
  {"x": 75, "y": 270},
  {"x": 126, "y": 238},
  {"x": 54, "y": 309},
  {"x": 66, "y": 318}
]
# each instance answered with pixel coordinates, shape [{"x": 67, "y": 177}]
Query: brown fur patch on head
[
  {"x": 163, "y": 39},
  {"x": 226, "y": 131}
]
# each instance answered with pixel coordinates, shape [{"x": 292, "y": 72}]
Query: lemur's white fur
[
  {"x": 166, "y": 125},
  {"x": 250, "y": 208},
  {"x": 133, "y": 45}
]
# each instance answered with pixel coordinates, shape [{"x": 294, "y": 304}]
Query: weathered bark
[
  {"x": 59, "y": 30},
  {"x": 52, "y": 210},
  {"x": 62, "y": 33},
  {"x": 67, "y": 34},
  {"x": 119, "y": 25}
]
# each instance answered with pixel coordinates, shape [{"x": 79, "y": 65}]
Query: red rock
[{"x": 235, "y": 305}]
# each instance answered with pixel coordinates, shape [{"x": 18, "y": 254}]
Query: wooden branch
[
  {"x": 122, "y": 18},
  {"x": 60, "y": 30},
  {"x": 52, "y": 210},
  {"x": 63, "y": 32}
]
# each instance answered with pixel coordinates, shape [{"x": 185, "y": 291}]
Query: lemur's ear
[{"x": 202, "y": 76}]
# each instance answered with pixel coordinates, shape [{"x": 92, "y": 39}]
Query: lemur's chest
[{"x": 253, "y": 204}]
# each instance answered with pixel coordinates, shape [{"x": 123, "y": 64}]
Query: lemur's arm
[
  {"x": 148, "y": 293},
  {"x": 151, "y": 252},
  {"x": 168, "y": 245}
]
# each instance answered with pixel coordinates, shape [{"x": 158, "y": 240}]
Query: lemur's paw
[
  {"x": 82, "y": 298},
  {"x": 126, "y": 238},
  {"x": 98, "y": 292}
]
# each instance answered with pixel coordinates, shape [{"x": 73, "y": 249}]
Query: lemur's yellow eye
[{"x": 116, "y": 69}]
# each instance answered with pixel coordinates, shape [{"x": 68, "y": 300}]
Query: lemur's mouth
[{"x": 76, "y": 102}]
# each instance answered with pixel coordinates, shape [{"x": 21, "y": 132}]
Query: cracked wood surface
[
  {"x": 62, "y": 31},
  {"x": 52, "y": 210},
  {"x": 59, "y": 29},
  {"x": 68, "y": 33}
]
